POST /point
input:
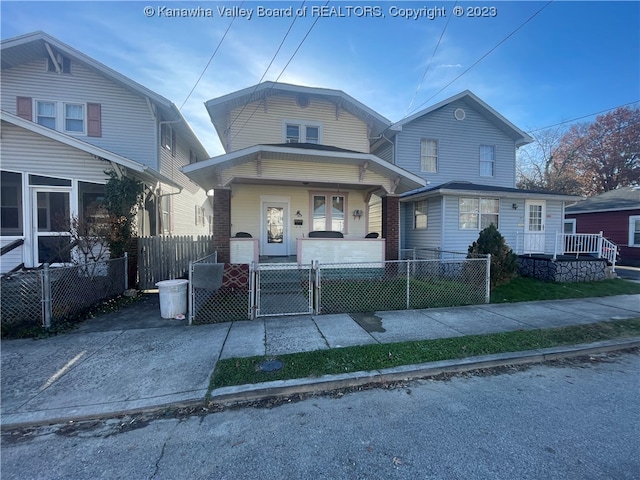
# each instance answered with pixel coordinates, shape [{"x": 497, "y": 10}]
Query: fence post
[
  {"x": 46, "y": 296},
  {"x": 555, "y": 247},
  {"x": 126, "y": 271},
  {"x": 408, "y": 282},
  {"x": 190, "y": 306},
  {"x": 487, "y": 295},
  {"x": 600, "y": 245}
]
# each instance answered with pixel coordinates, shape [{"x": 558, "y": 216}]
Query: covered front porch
[{"x": 304, "y": 203}]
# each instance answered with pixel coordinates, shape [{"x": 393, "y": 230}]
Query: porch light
[
  {"x": 514, "y": 206},
  {"x": 298, "y": 214}
]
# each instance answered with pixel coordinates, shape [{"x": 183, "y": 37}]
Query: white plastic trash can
[{"x": 173, "y": 297}]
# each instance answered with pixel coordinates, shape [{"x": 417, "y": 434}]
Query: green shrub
[{"x": 504, "y": 263}]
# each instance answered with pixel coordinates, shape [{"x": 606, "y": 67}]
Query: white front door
[
  {"x": 274, "y": 240},
  {"x": 534, "y": 235},
  {"x": 50, "y": 223}
]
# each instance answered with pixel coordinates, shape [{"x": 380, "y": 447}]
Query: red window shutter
[
  {"x": 94, "y": 120},
  {"x": 24, "y": 108}
]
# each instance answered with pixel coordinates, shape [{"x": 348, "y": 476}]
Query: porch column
[
  {"x": 391, "y": 226},
  {"x": 222, "y": 224}
]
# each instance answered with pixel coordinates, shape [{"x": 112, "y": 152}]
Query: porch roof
[
  {"x": 467, "y": 188},
  {"x": 141, "y": 171},
  {"x": 205, "y": 173}
]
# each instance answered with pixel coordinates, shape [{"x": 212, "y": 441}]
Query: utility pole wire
[{"x": 583, "y": 116}]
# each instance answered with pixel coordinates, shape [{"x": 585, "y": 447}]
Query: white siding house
[{"x": 67, "y": 118}]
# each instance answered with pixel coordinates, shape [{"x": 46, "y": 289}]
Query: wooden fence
[{"x": 166, "y": 258}]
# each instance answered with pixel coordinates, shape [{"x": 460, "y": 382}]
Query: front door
[
  {"x": 51, "y": 221},
  {"x": 274, "y": 239},
  {"x": 534, "y": 235}
]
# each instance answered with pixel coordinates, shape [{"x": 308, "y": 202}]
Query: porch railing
[{"x": 555, "y": 244}]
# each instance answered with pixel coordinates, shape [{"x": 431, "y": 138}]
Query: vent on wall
[
  {"x": 459, "y": 114},
  {"x": 303, "y": 101}
]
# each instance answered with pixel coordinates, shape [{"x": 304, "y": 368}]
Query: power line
[
  {"x": 278, "y": 77},
  {"x": 429, "y": 64},
  {"x": 210, "y": 60},
  {"x": 484, "y": 56},
  {"x": 583, "y": 116}
]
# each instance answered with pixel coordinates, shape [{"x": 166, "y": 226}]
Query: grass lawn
[
  {"x": 525, "y": 289},
  {"x": 241, "y": 371}
]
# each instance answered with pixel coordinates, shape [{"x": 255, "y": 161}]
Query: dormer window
[
  {"x": 63, "y": 63},
  {"x": 302, "y": 132}
]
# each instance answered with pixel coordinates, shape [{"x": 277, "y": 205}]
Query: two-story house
[
  {"x": 466, "y": 152},
  {"x": 298, "y": 161},
  {"x": 66, "y": 119}
]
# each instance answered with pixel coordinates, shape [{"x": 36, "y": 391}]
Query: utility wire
[
  {"x": 485, "y": 55},
  {"x": 583, "y": 116},
  {"x": 424, "y": 75},
  {"x": 280, "y": 75},
  {"x": 210, "y": 60}
]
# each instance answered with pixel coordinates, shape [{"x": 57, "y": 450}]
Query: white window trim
[
  {"x": 426, "y": 215},
  {"x": 493, "y": 162},
  {"x": 632, "y": 220},
  {"x": 328, "y": 198},
  {"x": 479, "y": 213},
  {"x": 60, "y": 115},
  {"x": 301, "y": 124},
  {"x": 168, "y": 146},
  {"x": 571, "y": 221},
  {"x": 422, "y": 169}
]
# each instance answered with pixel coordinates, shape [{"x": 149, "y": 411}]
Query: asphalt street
[{"x": 566, "y": 420}]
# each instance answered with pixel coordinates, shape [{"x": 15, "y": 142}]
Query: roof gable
[
  {"x": 33, "y": 46},
  {"x": 519, "y": 136}
]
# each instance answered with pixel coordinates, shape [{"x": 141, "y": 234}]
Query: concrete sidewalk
[{"x": 133, "y": 360}]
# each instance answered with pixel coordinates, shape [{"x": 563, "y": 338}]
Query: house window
[
  {"x": 167, "y": 137},
  {"x": 200, "y": 215},
  {"x": 332, "y": 218},
  {"x": 428, "y": 155},
  {"x": 312, "y": 135},
  {"x": 634, "y": 231},
  {"x": 165, "y": 214},
  {"x": 193, "y": 158},
  {"x": 420, "y": 215},
  {"x": 46, "y": 114},
  {"x": 64, "y": 63},
  {"x": 11, "y": 204},
  {"x": 302, "y": 132},
  {"x": 569, "y": 225},
  {"x": 73, "y": 118},
  {"x": 293, "y": 133},
  {"x": 487, "y": 160},
  {"x": 478, "y": 213}
]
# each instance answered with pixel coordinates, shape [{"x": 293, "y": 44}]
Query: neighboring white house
[
  {"x": 466, "y": 152},
  {"x": 67, "y": 118}
]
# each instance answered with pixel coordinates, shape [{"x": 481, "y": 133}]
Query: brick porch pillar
[
  {"x": 391, "y": 226},
  {"x": 222, "y": 224}
]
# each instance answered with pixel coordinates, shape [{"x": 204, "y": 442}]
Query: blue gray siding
[
  {"x": 429, "y": 238},
  {"x": 458, "y": 147}
]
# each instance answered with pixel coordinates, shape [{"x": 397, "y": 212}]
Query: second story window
[
  {"x": 487, "y": 160},
  {"x": 63, "y": 64},
  {"x": 302, "y": 132},
  {"x": 74, "y": 118},
  {"x": 293, "y": 133},
  {"x": 46, "y": 114},
  {"x": 428, "y": 155},
  {"x": 168, "y": 138}
]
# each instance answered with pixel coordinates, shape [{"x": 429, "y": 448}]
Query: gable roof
[
  {"x": 144, "y": 172},
  {"x": 219, "y": 107},
  {"x": 520, "y": 137},
  {"x": 467, "y": 188},
  {"x": 626, "y": 198},
  {"x": 33, "y": 46}
]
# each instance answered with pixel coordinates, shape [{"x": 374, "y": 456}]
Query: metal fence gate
[{"x": 282, "y": 289}]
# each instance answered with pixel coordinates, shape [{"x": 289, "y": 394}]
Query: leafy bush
[{"x": 504, "y": 263}]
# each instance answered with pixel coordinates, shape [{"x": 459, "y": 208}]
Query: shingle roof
[
  {"x": 458, "y": 186},
  {"x": 626, "y": 198}
]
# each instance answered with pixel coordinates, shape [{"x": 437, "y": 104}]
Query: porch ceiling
[{"x": 207, "y": 173}]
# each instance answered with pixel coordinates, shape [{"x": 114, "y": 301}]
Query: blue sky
[{"x": 572, "y": 59}]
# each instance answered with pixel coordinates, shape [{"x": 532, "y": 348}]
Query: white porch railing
[{"x": 567, "y": 244}]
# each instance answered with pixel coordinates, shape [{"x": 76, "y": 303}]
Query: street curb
[
  {"x": 227, "y": 396},
  {"x": 237, "y": 395}
]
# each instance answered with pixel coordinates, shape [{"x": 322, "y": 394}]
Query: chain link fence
[
  {"x": 283, "y": 289},
  {"x": 46, "y": 296},
  {"x": 403, "y": 284},
  {"x": 214, "y": 300}
]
